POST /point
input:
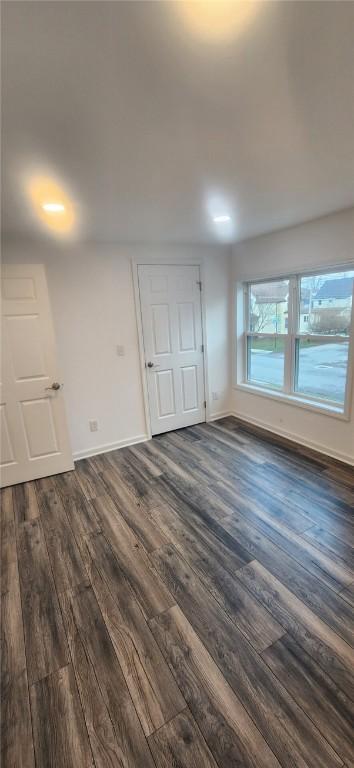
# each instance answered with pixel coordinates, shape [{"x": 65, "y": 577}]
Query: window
[{"x": 298, "y": 335}]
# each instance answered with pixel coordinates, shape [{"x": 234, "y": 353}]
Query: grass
[{"x": 277, "y": 345}]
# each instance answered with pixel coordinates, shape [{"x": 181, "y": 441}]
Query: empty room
[{"x": 177, "y": 391}]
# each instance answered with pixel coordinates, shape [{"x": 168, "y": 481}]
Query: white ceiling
[{"x": 151, "y": 127}]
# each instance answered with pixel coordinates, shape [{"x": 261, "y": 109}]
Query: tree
[
  {"x": 330, "y": 321},
  {"x": 263, "y": 316}
]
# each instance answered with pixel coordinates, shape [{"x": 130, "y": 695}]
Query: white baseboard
[
  {"x": 294, "y": 438},
  {"x": 219, "y": 415},
  {"x": 87, "y": 452}
]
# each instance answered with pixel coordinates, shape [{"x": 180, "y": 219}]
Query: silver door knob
[{"x": 54, "y": 386}]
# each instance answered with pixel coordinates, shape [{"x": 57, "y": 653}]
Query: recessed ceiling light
[
  {"x": 53, "y": 207},
  {"x": 221, "y": 219}
]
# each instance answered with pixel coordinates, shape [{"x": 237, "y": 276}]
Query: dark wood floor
[{"x": 184, "y": 602}]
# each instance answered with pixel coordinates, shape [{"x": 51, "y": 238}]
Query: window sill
[{"x": 299, "y": 402}]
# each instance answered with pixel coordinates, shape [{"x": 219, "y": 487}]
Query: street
[{"x": 322, "y": 370}]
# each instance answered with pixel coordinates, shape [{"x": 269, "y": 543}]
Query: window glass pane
[
  {"x": 321, "y": 369},
  {"x": 268, "y": 307},
  {"x": 326, "y": 303},
  {"x": 266, "y": 361}
]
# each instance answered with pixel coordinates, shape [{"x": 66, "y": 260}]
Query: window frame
[{"x": 288, "y": 393}]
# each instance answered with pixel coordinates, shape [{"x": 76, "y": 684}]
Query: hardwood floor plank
[
  {"x": 68, "y": 486},
  {"x": 133, "y": 512},
  {"x": 332, "y": 653},
  {"x": 80, "y": 512},
  {"x": 206, "y": 587},
  {"x": 125, "y": 472},
  {"x": 227, "y": 728},
  {"x": 106, "y": 748},
  {"x": 171, "y": 451},
  {"x": 89, "y": 624},
  {"x": 68, "y": 568},
  {"x": 88, "y": 479},
  {"x": 348, "y": 594},
  {"x": 152, "y": 595},
  {"x": 200, "y": 500},
  {"x": 214, "y": 565},
  {"x": 322, "y": 700},
  {"x": 59, "y": 730},
  {"x": 154, "y": 692},
  {"x": 329, "y": 569},
  {"x": 242, "y": 499},
  {"x": 25, "y": 502},
  {"x": 142, "y": 461},
  {"x": 8, "y": 549},
  {"x": 16, "y": 728},
  {"x": 288, "y": 731},
  {"x": 46, "y": 646},
  {"x": 331, "y": 545},
  {"x": 175, "y": 515},
  {"x": 225, "y": 439},
  {"x": 179, "y": 743},
  {"x": 325, "y": 603}
]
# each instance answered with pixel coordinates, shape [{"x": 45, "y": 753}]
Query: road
[{"x": 322, "y": 370}]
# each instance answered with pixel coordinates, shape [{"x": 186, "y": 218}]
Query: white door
[
  {"x": 173, "y": 344},
  {"x": 33, "y": 430}
]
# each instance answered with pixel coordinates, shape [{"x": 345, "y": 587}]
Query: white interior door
[
  {"x": 33, "y": 430},
  {"x": 173, "y": 344}
]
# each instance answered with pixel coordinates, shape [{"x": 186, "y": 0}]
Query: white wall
[
  {"x": 323, "y": 242},
  {"x": 91, "y": 292}
]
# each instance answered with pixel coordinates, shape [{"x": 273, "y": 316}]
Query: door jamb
[{"x": 135, "y": 263}]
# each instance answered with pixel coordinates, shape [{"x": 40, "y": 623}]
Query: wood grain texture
[
  {"x": 183, "y": 602},
  {"x": 46, "y": 646},
  {"x": 179, "y": 743},
  {"x": 313, "y": 634},
  {"x": 16, "y": 729},
  {"x": 327, "y": 706},
  {"x": 59, "y": 731},
  {"x": 150, "y": 591},
  {"x": 153, "y": 690},
  {"x": 292, "y": 737},
  {"x": 348, "y": 594},
  {"x": 331, "y": 545},
  {"x": 227, "y": 728},
  {"x": 65, "y": 559},
  {"x": 99, "y": 649},
  {"x": 25, "y": 502}
]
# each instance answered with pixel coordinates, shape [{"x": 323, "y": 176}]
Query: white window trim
[{"x": 240, "y": 322}]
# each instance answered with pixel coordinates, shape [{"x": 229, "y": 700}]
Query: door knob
[
  {"x": 54, "y": 386},
  {"x": 152, "y": 365}
]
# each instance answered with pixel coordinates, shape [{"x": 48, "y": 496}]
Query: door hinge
[
  {"x": 204, "y": 403},
  {"x": 199, "y": 282},
  {"x": 202, "y": 347}
]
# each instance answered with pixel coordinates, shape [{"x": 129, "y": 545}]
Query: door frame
[{"x": 136, "y": 262}]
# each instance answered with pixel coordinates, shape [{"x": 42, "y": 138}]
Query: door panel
[
  {"x": 189, "y": 388},
  {"x": 186, "y": 327},
  {"x": 161, "y": 329},
  {"x": 172, "y": 329},
  {"x": 33, "y": 431},
  {"x": 165, "y": 393}
]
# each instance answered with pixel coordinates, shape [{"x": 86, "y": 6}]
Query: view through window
[{"x": 298, "y": 335}]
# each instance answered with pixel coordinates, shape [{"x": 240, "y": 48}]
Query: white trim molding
[
  {"x": 107, "y": 447},
  {"x": 218, "y": 415},
  {"x": 137, "y": 261},
  {"x": 318, "y": 447}
]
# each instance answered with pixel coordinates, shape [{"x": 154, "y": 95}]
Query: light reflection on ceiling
[
  {"x": 51, "y": 204},
  {"x": 217, "y": 21}
]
